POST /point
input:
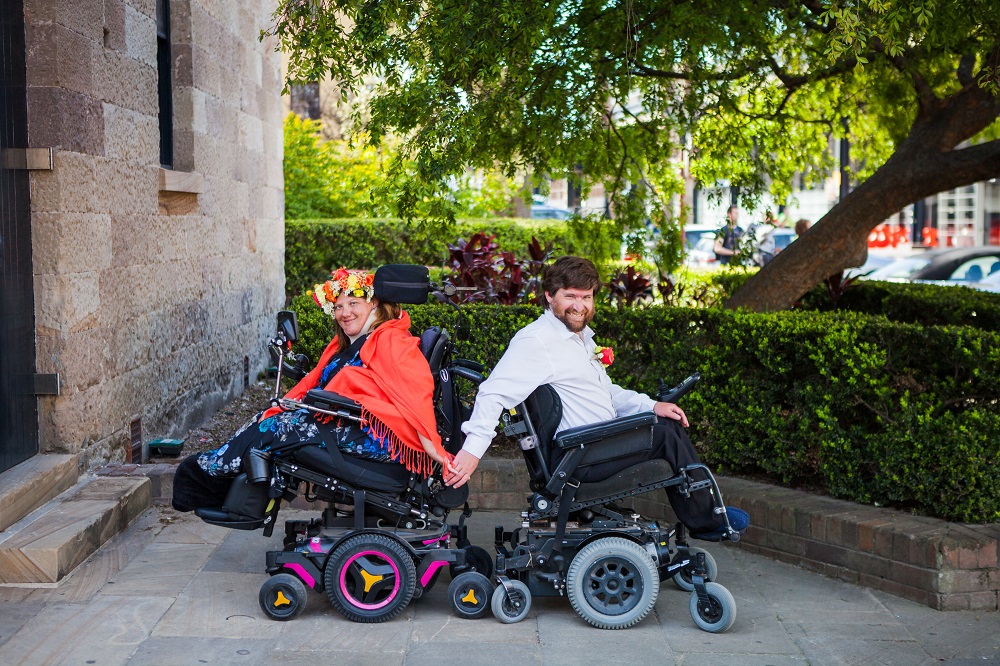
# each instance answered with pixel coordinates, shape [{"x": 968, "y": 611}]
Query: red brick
[
  {"x": 968, "y": 557},
  {"x": 905, "y": 591},
  {"x": 984, "y": 601},
  {"x": 788, "y": 520},
  {"x": 962, "y": 581},
  {"x": 774, "y": 517},
  {"x": 883, "y": 541},
  {"x": 947, "y": 602},
  {"x": 988, "y": 556},
  {"x": 918, "y": 577}
]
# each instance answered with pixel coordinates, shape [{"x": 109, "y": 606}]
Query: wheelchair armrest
[
  {"x": 331, "y": 401},
  {"x": 595, "y": 432}
]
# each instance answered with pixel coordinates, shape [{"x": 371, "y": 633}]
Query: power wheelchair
[
  {"x": 384, "y": 535},
  {"x": 577, "y": 540}
]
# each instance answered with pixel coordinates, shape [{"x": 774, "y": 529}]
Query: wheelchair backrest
[
  {"x": 544, "y": 410},
  {"x": 433, "y": 345}
]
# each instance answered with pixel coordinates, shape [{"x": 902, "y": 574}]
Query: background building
[{"x": 142, "y": 218}]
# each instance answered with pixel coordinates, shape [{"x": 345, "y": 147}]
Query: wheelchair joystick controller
[{"x": 676, "y": 393}]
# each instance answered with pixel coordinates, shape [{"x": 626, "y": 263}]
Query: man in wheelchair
[{"x": 558, "y": 350}]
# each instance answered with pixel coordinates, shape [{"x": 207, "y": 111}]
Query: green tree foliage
[
  {"x": 750, "y": 91},
  {"x": 338, "y": 179}
]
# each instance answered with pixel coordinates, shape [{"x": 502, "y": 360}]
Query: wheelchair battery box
[
  {"x": 402, "y": 283},
  {"x": 331, "y": 401},
  {"x": 638, "y": 425}
]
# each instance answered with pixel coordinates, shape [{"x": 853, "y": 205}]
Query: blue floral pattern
[{"x": 297, "y": 427}]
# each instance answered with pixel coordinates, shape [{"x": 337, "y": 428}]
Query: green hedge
[
  {"x": 865, "y": 408},
  {"x": 315, "y": 247},
  {"x": 928, "y": 304}
]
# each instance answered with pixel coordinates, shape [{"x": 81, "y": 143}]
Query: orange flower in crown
[{"x": 360, "y": 284}]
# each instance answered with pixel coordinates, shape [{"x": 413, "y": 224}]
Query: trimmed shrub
[
  {"x": 927, "y": 304},
  {"x": 865, "y": 408},
  {"x": 315, "y": 247}
]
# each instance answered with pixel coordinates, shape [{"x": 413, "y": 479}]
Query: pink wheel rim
[{"x": 354, "y": 600}]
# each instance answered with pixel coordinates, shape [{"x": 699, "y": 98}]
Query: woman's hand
[
  {"x": 462, "y": 468},
  {"x": 435, "y": 456}
]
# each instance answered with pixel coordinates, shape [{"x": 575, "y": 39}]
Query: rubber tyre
[
  {"x": 469, "y": 595},
  {"x": 722, "y": 613},
  {"x": 612, "y": 583},
  {"x": 479, "y": 559},
  {"x": 682, "y": 578},
  {"x": 376, "y": 562},
  {"x": 283, "y": 597},
  {"x": 510, "y": 606}
]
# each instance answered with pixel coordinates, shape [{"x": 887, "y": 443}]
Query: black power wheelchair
[
  {"x": 384, "y": 536},
  {"x": 577, "y": 540}
]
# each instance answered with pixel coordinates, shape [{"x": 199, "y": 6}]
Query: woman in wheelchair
[{"x": 373, "y": 360}]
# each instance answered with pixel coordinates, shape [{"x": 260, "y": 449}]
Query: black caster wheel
[
  {"x": 718, "y": 614},
  {"x": 682, "y": 578},
  {"x": 282, "y": 597},
  {"x": 370, "y": 578},
  {"x": 511, "y": 602},
  {"x": 469, "y": 595}
]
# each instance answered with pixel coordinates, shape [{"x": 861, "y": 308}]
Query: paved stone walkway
[{"x": 173, "y": 590}]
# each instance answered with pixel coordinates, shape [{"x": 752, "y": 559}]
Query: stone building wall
[{"x": 151, "y": 285}]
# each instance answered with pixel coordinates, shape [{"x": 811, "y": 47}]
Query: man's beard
[{"x": 575, "y": 325}]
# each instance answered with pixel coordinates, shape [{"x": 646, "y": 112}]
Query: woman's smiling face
[{"x": 351, "y": 312}]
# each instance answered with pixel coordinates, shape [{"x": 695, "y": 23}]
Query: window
[{"x": 165, "y": 88}]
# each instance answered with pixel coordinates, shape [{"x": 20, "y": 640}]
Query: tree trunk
[{"x": 924, "y": 164}]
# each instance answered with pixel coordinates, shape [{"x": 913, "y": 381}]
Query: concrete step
[
  {"x": 29, "y": 485},
  {"x": 49, "y": 543}
]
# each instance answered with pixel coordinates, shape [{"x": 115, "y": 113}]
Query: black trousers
[{"x": 670, "y": 443}]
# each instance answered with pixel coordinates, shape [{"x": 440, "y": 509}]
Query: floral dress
[{"x": 289, "y": 431}]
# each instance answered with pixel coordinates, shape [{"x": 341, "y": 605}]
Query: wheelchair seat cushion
[
  {"x": 628, "y": 479},
  {"x": 366, "y": 474}
]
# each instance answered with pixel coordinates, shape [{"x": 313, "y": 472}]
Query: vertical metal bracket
[
  {"x": 31, "y": 159},
  {"x": 45, "y": 384}
]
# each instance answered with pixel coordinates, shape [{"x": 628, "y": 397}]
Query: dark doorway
[{"x": 18, "y": 407}]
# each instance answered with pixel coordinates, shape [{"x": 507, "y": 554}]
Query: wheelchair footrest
[{"x": 224, "y": 518}]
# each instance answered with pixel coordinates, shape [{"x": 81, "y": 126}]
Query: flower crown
[{"x": 357, "y": 283}]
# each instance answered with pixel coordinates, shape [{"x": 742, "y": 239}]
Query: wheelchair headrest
[
  {"x": 545, "y": 411},
  {"x": 433, "y": 344},
  {"x": 402, "y": 283}
]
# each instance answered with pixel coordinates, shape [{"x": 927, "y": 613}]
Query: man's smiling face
[{"x": 573, "y": 307}]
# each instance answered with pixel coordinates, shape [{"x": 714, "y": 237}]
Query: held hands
[
  {"x": 669, "y": 410},
  {"x": 462, "y": 468}
]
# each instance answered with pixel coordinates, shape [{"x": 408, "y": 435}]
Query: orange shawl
[{"x": 395, "y": 389}]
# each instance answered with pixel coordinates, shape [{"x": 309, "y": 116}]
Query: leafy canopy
[
  {"x": 337, "y": 179},
  {"x": 639, "y": 92}
]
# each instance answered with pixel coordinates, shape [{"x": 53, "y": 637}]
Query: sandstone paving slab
[
  {"x": 13, "y": 616},
  {"x": 469, "y": 652},
  {"x": 219, "y": 604},
  {"x": 830, "y": 649},
  {"x": 104, "y": 630},
  {"x": 795, "y": 590},
  {"x": 188, "y": 528},
  {"x": 954, "y": 634},
  {"x": 565, "y": 638},
  {"x": 245, "y": 551},
  {"x": 739, "y": 659},
  {"x": 320, "y": 628},
  {"x": 162, "y": 569},
  {"x": 174, "y": 651},
  {"x": 435, "y": 623}
]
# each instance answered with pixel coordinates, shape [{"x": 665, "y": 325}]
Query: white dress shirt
[{"x": 546, "y": 352}]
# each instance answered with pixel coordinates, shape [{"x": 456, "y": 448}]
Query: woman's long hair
[{"x": 384, "y": 311}]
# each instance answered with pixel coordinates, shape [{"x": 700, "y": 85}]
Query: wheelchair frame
[{"x": 602, "y": 560}]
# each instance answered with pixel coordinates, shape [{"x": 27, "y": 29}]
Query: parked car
[
  {"x": 546, "y": 212},
  {"x": 963, "y": 265},
  {"x": 699, "y": 244},
  {"x": 988, "y": 283}
]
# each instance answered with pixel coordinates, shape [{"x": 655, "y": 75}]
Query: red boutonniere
[{"x": 605, "y": 355}]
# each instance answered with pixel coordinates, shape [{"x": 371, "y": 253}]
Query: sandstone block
[
  {"x": 131, "y": 136},
  {"x": 114, "y": 25},
  {"x": 75, "y": 64},
  {"x": 140, "y": 37}
]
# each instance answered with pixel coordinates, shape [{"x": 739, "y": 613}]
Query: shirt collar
[{"x": 549, "y": 317}]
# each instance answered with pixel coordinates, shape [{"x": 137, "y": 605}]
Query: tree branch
[{"x": 923, "y": 89}]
